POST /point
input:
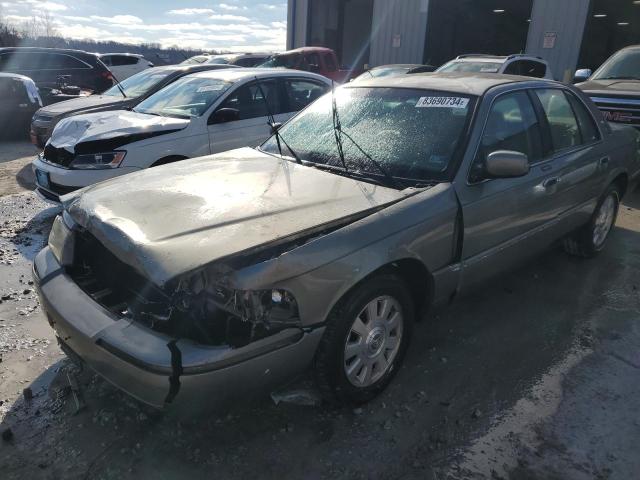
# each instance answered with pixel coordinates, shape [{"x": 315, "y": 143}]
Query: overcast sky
[{"x": 230, "y": 25}]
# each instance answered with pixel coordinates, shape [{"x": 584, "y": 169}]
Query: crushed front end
[{"x": 192, "y": 342}]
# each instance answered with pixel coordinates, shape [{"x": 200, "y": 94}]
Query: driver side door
[
  {"x": 505, "y": 219},
  {"x": 251, "y": 127}
]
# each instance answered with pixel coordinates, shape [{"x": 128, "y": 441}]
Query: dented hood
[
  {"x": 93, "y": 127},
  {"x": 169, "y": 220},
  {"x": 82, "y": 104}
]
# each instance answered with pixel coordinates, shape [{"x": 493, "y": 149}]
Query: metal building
[{"x": 569, "y": 34}]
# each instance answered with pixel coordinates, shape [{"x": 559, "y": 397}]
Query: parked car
[
  {"x": 394, "y": 70},
  {"x": 19, "y": 99},
  {"x": 239, "y": 59},
  {"x": 123, "y": 65},
  {"x": 45, "y": 66},
  {"x": 210, "y": 277},
  {"x": 198, "y": 114},
  {"x": 615, "y": 86},
  {"x": 524, "y": 65},
  {"x": 320, "y": 60},
  {"x": 136, "y": 88}
]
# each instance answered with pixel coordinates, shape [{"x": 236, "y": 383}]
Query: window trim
[
  {"x": 484, "y": 128},
  {"x": 542, "y": 119}
]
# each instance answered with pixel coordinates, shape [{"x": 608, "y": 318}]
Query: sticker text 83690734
[{"x": 442, "y": 102}]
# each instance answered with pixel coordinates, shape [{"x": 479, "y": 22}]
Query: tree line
[{"x": 40, "y": 31}]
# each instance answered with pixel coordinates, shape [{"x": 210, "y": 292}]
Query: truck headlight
[
  {"x": 62, "y": 241},
  {"x": 98, "y": 161}
]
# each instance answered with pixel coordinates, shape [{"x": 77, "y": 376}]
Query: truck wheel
[
  {"x": 591, "y": 239},
  {"x": 365, "y": 340}
]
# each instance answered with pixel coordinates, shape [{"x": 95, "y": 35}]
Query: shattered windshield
[
  {"x": 412, "y": 134},
  {"x": 138, "y": 84},
  {"x": 471, "y": 67},
  {"x": 185, "y": 98},
  {"x": 624, "y": 65}
]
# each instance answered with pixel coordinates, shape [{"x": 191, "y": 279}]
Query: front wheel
[
  {"x": 365, "y": 340},
  {"x": 591, "y": 239}
]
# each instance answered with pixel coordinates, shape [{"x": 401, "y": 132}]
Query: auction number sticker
[{"x": 442, "y": 102}]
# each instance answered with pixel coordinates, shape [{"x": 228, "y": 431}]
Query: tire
[
  {"x": 378, "y": 343},
  {"x": 592, "y": 238}
]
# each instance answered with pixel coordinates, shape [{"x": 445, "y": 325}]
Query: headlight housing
[{"x": 98, "y": 161}]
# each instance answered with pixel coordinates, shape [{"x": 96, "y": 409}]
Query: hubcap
[
  {"x": 604, "y": 221},
  {"x": 373, "y": 341}
]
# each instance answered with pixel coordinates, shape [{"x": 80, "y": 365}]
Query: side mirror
[
  {"x": 582, "y": 75},
  {"x": 507, "y": 164},
  {"x": 224, "y": 115},
  {"x": 275, "y": 127}
]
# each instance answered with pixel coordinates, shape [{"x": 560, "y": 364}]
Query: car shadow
[
  {"x": 467, "y": 364},
  {"x": 26, "y": 178}
]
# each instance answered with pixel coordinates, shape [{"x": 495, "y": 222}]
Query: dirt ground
[{"x": 534, "y": 376}]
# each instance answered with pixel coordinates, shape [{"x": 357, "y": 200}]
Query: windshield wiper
[
  {"x": 276, "y": 127},
  {"x": 337, "y": 127},
  {"x": 341, "y": 171}
]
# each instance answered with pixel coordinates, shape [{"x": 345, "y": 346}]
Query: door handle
[
  {"x": 551, "y": 182},
  {"x": 604, "y": 162}
]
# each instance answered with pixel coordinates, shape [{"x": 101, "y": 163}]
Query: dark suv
[{"x": 46, "y": 66}]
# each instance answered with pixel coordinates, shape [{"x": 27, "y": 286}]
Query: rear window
[{"x": 471, "y": 67}]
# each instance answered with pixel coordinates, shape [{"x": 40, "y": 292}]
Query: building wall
[
  {"x": 406, "y": 18},
  {"x": 566, "y": 19},
  {"x": 297, "y": 13}
]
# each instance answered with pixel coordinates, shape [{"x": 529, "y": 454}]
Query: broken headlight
[
  {"x": 98, "y": 161},
  {"x": 270, "y": 307}
]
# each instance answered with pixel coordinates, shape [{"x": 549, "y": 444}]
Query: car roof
[
  {"x": 465, "y": 83},
  {"x": 14, "y": 76},
  {"x": 235, "y": 74},
  {"x": 305, "y": 50},
  {"x": 123, "y": 54},
  {"x": 47, "y": 50}
]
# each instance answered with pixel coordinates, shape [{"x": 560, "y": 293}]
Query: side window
[
  {"x": 27, "y": 61},
  {"x": 106, "y": 60},
  {"x": 55, "y": 61},
  {"x": 121, "y": 60},
  {"x": 248, "y": 100},
  {"x": 330, "y": 62},
  {"x": 313, "y": 61},
  {"x": 531, "y": 68},
  {"x": 512, "y": 125},
  {"x": 587, "y": 124},
  {"x": 562, "y": 122},
  {"x": 513, "y": 68},
  {"x": 244, "y": 62},
  {"x": 301, "y": 93}
]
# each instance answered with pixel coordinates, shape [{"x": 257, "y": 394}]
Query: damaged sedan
[
  {"x": 197, "y": 281},
  {"x": 198, "y": 114}
]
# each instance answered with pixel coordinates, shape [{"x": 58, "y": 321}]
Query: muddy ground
[{"x": 534, "y": 376}]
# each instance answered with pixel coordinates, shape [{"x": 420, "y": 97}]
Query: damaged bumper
[{"x": 155, "y": 368}]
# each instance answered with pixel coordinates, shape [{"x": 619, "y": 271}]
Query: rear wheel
[
  {"x": 365, "y": 340},
  {"x": 591, "y": 239}
]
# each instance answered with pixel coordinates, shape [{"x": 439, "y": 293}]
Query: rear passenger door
[
  {"x": 506, "y": 219},
  {"x": 253, "y": 127},
  {"x": 579, "y": 156}
]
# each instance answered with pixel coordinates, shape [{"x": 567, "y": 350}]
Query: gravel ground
[{"x": 533, "y": 376}]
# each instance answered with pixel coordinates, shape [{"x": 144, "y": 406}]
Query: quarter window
[
  {"x": 587, "y": 125},
  {"x": 249, "y": 100},
  {"x": 301, "y": 93},
  {"x": 512, "y": 125},
  {"x": 565, "y": 132}
]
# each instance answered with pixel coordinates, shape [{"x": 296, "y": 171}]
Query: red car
[{"x": 321, "y": 60}]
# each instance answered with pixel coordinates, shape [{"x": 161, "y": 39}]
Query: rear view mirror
[
  {"x": 507, "y": 164},
  {"x": 582, "y": 75},
  {"x": 224, "y": 115},
  {"x": 275, "y": 127}
]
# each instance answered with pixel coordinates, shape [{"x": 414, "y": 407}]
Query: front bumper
[
  {"x": 155, "y": 368},
  {"x": 64, "y": 180}
]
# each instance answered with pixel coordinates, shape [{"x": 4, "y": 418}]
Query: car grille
[
  {"x": 59, "y": 156},
  {"x": 110, "y": 282},
  {"x": 619, "y": 110}
]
